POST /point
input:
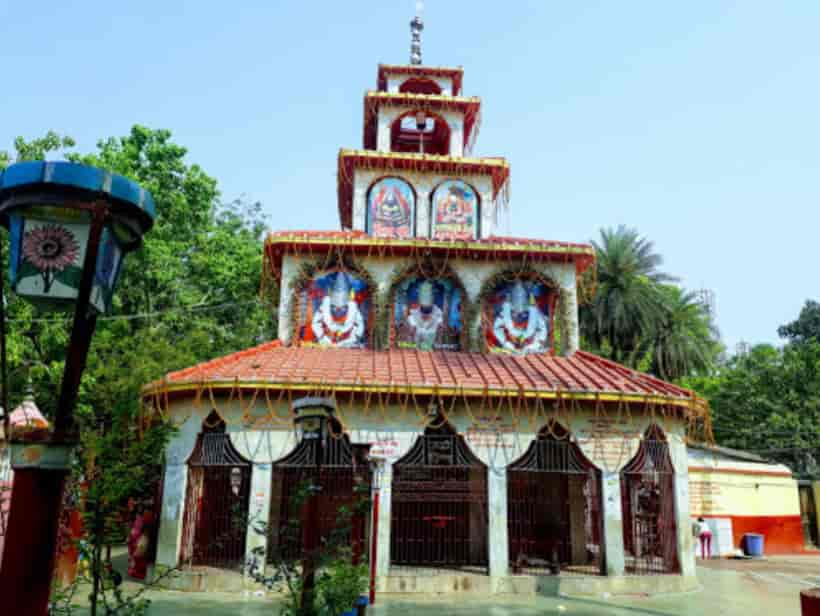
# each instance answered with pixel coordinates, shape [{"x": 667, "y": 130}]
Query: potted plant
[{"x": 340, "y": 586}]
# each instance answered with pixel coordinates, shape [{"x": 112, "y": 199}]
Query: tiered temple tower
[{"x": 448, "y": 358}]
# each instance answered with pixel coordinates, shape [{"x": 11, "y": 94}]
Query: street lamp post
[{"x": 70, "y": 226}]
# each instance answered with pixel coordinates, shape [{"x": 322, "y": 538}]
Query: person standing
[{"x": 704, "y": 534}]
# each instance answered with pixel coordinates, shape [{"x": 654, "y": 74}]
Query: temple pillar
[
  {"x": 683, "y": 520},
  {"x": 613, "y": 523},
  {"x": 499, "y": 545},
  {"x": 569, "y": 320},
  {"x": 384, "y": 482},
  {"x": 256, "y": 543},
  {"x": 174, "y": 485}
]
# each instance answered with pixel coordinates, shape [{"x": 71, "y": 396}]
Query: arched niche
[
  {"x": 420, "y": 132},
  {"x": 427, "y": 309},
  {"x": 333, "y": 305},
  {"x": 455, "y": 211},
  {"x": 391, "y": 208},
  {"x": 419, "y": 85},
  {"x": 555, "y": 507},
  {"x": 648, "y": 508},
  {"x": 218, "y": 489},
  {"x": 517, "y": 312},
  {"x": 339, "y": 473},
  {"x": 439, "y": 503}
]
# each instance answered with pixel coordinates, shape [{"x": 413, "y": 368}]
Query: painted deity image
[
  {"x": 518, "y": 312},
  {"x": 335, "y": 307},
  {"x": 391, "y": 206},
  {"x": 455, "y": 211},
  {"x": 427, "y": 315}
]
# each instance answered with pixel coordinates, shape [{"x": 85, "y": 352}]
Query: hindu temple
[{"x": 435, "y": 362}]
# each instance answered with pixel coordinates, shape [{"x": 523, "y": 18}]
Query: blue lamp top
[{"x": 119, "y": 189}]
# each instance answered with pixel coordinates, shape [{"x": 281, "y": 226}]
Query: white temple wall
[
  {"x": 394, "y": 81},
  {"x": 472, "y": 274},
  {"x": 608, "y": 440},
  {"x": 387, "y": 114},
  {"x": 424, "y": 184}
]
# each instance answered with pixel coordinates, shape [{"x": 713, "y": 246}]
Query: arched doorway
[
  {"x": 648, "y": 502},
  {"x": 340, "y": 473},
  {"x": 554, "y": 507},
  {"x": 216, "y": 501},
  {"x": 439, "y": 504}
]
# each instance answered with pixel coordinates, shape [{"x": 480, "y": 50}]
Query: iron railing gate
[
  {"x": 648, "y": 504},
  {"x": 216, "y": 503},
  {"x": 343, "y": 478},
  {"x": 554, "y": 508},
  {"x": 439, "y": 504}
]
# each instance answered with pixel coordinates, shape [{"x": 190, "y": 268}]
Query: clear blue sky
[{"x": 696, "y": 122}]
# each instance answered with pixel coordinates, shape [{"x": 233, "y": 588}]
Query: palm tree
[
  {"x": 628, "y": 304},
  {"x": 685, "y": 341}
]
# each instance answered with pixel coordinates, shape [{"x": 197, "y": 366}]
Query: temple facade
[{"x": 497, "y": 454}]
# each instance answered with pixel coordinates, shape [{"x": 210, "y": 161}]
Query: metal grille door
[
  {"x": 554, "y": 509},
  {"x": 439, "y": 504},
  {"x": 648, "y": 502},
  {"x": 216, "y": 504}
]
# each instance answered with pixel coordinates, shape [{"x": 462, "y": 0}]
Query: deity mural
[
  {"x": 335, "y": 307},
  {"x": 455, "y": 211},
  {"x": 519, "y": 314},
  {"x": 427, "y": 314},
  {"x": 391, "y": 207}
]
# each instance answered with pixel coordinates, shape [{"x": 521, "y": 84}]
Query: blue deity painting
[
  {"x": 391, "y": 207},
  {"x": 427, "y": 314},
  {"x": 517, "y": 317},
  {"x": 335, "y": 308}
]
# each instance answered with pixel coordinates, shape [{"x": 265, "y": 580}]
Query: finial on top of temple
[{"x": 416, "y": 26}]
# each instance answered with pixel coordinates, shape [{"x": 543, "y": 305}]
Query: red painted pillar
[{"x": 28, "y": 560}]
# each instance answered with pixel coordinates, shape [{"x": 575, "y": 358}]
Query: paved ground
[{"x": 730, "y": 588}]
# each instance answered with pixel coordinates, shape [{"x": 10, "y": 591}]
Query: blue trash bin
[{"x": 753, "y": 544}]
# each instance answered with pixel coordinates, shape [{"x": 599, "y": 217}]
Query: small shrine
[{"x": 447, "y": 359}]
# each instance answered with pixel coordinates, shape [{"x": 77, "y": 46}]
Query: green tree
[
  {"x": 805, "y": 327},
  {"x": 684, "y": 340},
  {"x": 767, "y": 401},
  {"x": 627, "y": 303}
]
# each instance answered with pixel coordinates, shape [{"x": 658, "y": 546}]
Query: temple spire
[{"x": 416, "y": 26}]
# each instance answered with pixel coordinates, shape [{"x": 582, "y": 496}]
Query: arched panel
[
  {"x": 427, "y": 313},
  {"x": 439, "y": 503},
  {"x": 391, "y": 208},
  {"x": 554, "y": 510},
  {"x": 455, "y": 211},
  {"x": 648, "y": 507}
]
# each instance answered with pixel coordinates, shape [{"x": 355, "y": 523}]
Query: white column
[
  {"x": 174, "y": 487},
  {"x": 172, "y": 514},
  {"x": 259, "y": 514},
  {"x": 499, "y": 545},
  {"x": 385, "y": 482},
  {"x": 683, "y": 520},
  {"x": 613, "y": 523}
]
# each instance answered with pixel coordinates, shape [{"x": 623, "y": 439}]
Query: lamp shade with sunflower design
[{"x": 47, "y": 207}]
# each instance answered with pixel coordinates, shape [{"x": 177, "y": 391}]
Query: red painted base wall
[{"x": 781, "y": 534}]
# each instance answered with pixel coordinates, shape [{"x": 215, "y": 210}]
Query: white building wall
[
  {"x": 424, "y": 184},
  {"x": 388, "y": 114}
]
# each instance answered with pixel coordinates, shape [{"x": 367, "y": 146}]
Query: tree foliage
[{"x": 639, "y": 317}]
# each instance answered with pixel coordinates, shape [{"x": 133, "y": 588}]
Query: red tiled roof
[
  {"x": 282, "y": 242},
  {"x": 400, "y": 370}
]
